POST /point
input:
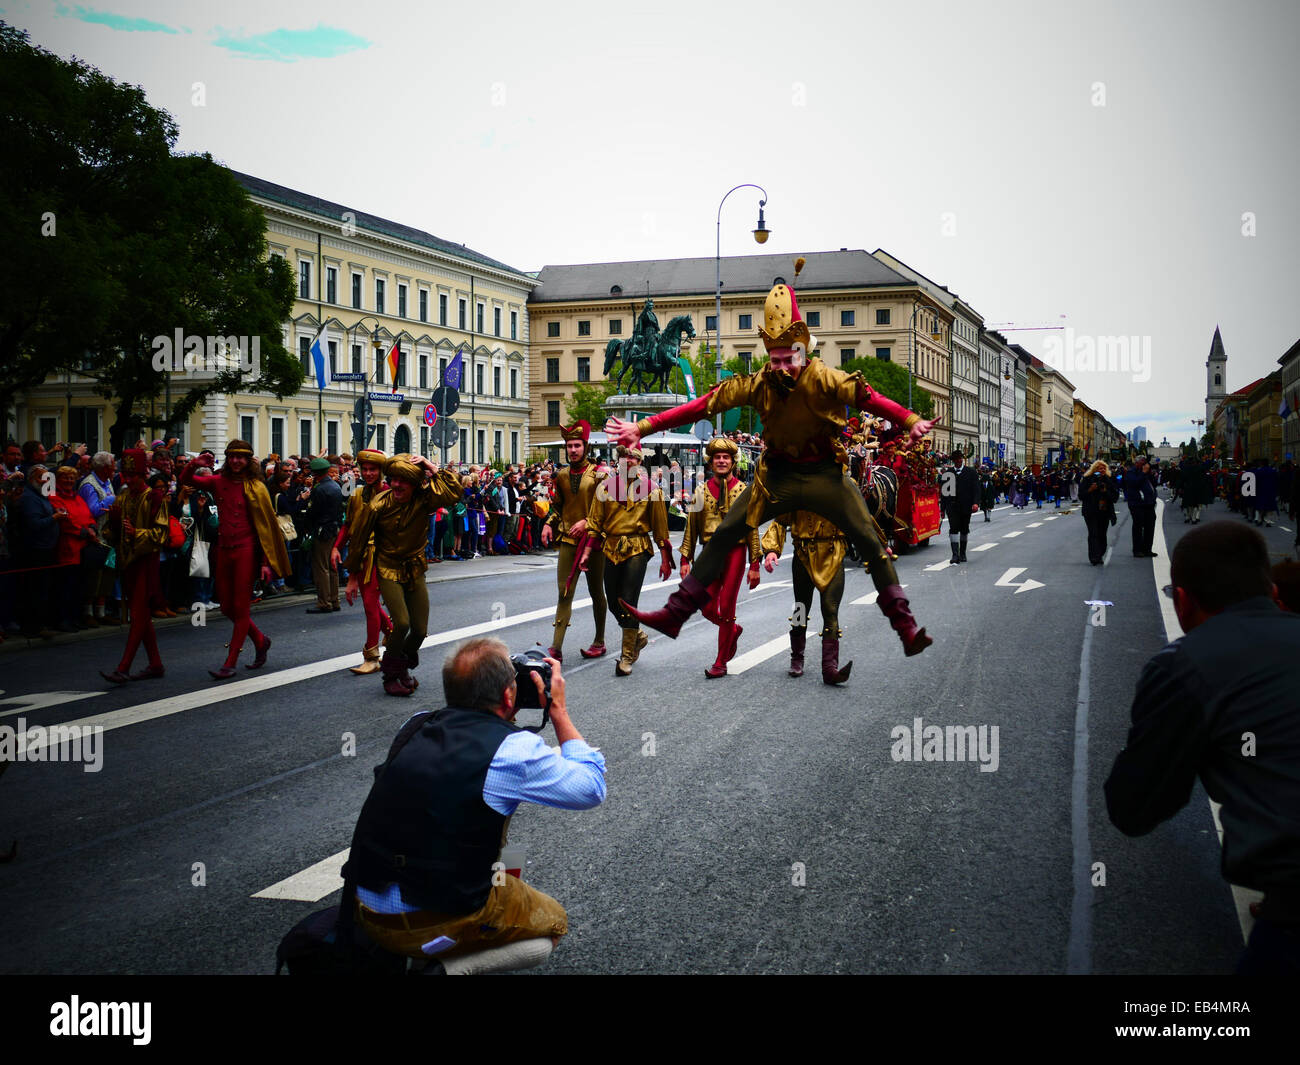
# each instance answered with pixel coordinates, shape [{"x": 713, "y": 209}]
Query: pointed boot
[
  {"x": 798, "y": 637},
  {"x": 370, "y": 662},
  {"x": 831, "y": 672},
  {"x": 893, "y": 604},
  {"x": 689, "y": 597}
]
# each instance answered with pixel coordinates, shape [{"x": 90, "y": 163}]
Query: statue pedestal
[{"x": 643, "y": 405}]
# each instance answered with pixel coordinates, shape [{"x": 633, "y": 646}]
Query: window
[
  {"x": 356, "y": 359},
  {"x": 331, "y": 438},
  {"x": 442, "y": 308},
  {"x": 746, "y": 322},
  {"x": 424, "y": 441},
  {"x": 552, "y": 329},
  {"x": 514, "y": 383},
  {"x": 814, "y": 319},
  {"x": 514, "y": 447},
  {"x": 846, "y": 354},
  {"x": 514, "y": 325},
  {"x": 846, "y": 317},
  {"x": 496, "y": 321},
  {"x": 424, "y": 371},
  {"x": 478, "y": 318},
  {"x": 464, "y": 448},
  {"x": 552, "y": 412},
  {"x": 882, "y": 317},
  {"x": 883, "y": 354},
  {"x": 380, "y": 362},
  {"x": 246, "y": 429},
  {"x": 331, "y": 285},
  {"x": 334, "y": 356},
  {"x": 710, "y": 323},
  {"x": 304, "y": 280},
  {"x": 277, "y": 435},
  {"x": 379, "y": 296},
  {"x": 496, "y": 444},
  {"x": 400, "y": 377},
  {"x": 616, "y": 327},
  {"x": 442, "y": 369},
  {"x": 584, "y": 367},
  {"x": 461, "y": 312},
  {"x": 304, "y": 438},
  {"x": 304, "y": 354},
  {"x": 482, "y": 443},
  {"x": 552, "y": 371},
  {"x": 401, "y": 301},
  {"x": 424, "y": 305},
  {"x": 47, "y": 431},
  {"x": 478, "y": 385},
  {"x": 746, "y": 359},
  {"x": 356, "y": 292},
  {"x": 381, "y": 436},
  {"x": 1217, "y": 379},
  {"x": 584, "y": 328},
  {"x": 496, "y": 380}
]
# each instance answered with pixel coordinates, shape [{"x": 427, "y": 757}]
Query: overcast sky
[{"x": 1093, "y": 160}]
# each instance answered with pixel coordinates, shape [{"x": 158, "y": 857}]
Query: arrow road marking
[
  {"x": 38, "y": 700},
  {"x": 1008, "y": 580},
  {"x": 870, "y": 597},
  {"x": 311, "y": 884}
]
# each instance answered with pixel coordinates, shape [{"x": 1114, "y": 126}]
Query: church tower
[{"x": 1216, "y": 379}]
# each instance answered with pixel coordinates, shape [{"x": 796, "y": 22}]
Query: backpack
[{"x": 329, "y": 942}]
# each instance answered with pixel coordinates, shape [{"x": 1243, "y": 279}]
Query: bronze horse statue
[{"x": 651, "y": 367}]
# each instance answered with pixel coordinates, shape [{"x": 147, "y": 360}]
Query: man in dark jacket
[
  {"x": 1220, "y": 703},
  {"x": 1140, "y": 495},
  {"x": 35, "y": 532},
  {"x": 959, "y": 494},
  {"x": 324, "y": 519}
]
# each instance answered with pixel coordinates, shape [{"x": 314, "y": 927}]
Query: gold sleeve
[
  {"x": 774, "y": 539},
  {"x": 755, "y": 549},
  {"x": 692, "y": 532},
  {"x": 362, "y": 527},
  {"x": 659, "y": 520},
  {"x": 446, "y": 489}
]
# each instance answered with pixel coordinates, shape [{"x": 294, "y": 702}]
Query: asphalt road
[{"x": 754, "y": 824}]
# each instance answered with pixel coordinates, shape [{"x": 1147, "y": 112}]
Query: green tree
[
  {"x": 588, "y": 403},
  {"x": 116, "y": 241},
  {"x": 890, "y": 379}
]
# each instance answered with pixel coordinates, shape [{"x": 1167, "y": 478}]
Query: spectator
[
  {"x": 76, "y": 529},
  {"x": 35, "y": 539}
]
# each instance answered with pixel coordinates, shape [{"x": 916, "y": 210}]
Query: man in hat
[
  {"x": 626, "y": 514},
  {"x": 575, "y": 490},
  {"x": 139, "y": 531},
  {"x": 819, "y": 549},
  {"x": 249, "y": 533},
  {"x": 712, "y": 500},
  {"x": 324, "y": 519},
  {"x": 371, "y": 463},
  {"x": 398, "y": 521},
  {"x": 959, "y": 494},
  {"x": 802, "y": 404}
]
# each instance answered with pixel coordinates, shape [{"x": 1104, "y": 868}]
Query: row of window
[
  {"x": 402, "y": 377},
  {"x": 381, "y": 292},
  {"x": 744, "y": 322},
  {"x": 335, "y": 442}
]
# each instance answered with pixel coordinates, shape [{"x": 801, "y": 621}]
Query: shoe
[
  {"x": 596, "y": 650},
  {"x": 1152, "y": 554},
  {"x": 149, "y": 673},
  {"x": 893, "y": 604},
  {"x": 116, "y": 677},
  {"x": 831, "y": 672},
  {"x": 689, "y": 597},
  {"x": 259, "y": 659},
  {"x": 224, "y": 673},
  {"x": 728, "y": 636},
  {"x": 370, "y": 662},
  {"x": 392, "y": 665},
  {"x": 556, "y": 653},
  {"x": 623, "y": 667},
  {"x": 319, "y": 610},
  {"x": 336, "y": 608},
  {"x": 798, "y": 638}
]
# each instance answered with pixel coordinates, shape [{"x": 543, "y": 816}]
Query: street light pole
[{"x": 760, "y": 236}]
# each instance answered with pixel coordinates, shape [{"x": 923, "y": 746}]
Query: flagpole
[
  {"x": 320, "y": 317},
  {"x": 473, "y": 379}
]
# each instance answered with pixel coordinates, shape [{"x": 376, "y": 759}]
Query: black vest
[{"x": 425, "y": 824}]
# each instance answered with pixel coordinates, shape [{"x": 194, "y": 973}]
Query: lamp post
[
  {"x": 377, "y": 344},
  {"x": 760, "y": 236}
]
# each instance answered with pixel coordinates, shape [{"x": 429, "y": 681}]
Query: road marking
[
  {"x": 985, "y": 547},
  {"x": 1007, "y": 580},
  {"x": 40, "y": 700},
  {"x": 775, "y": 584},
  {"x": 938, "y": 565},
  {"x": 1052, "y": 518},
  {"x": 759, "y": 654},
  {"x": 870, "y": 597},
  {"x": 311, "y": 884},
  {"x": 1034, "y": 524},
  {"x": 1007, "y": 536}
]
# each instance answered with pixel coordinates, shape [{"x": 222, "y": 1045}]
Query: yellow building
[
  {"x": 365, "y": 278},
  {"x": 1083, "y": 441},
  {"x": 856, "y": 306},
  {"x": 1264, "y": 428},
  {"x": 1033, "y": 415}
]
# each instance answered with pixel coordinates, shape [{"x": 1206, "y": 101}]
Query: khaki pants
[
  {"x": 408, "y": 604},
  {"x": 513, "y": 911},
  {"x": 324, "y": 575},
  {"x": 595, "y": 587}
]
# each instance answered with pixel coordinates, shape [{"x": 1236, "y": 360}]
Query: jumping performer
[
  {"x": 371, "y": 464},
  {"x": 712, "y": 501},
  {"x": 802, "y": 404},
  {"x": 249, "y": 533},
  {"x": 575, "y": 489}
]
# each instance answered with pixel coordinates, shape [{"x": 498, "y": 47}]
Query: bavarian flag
[{"x": 318, "y": 349}]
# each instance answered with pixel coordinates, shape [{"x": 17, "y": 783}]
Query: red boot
[
  {"x": 893, "y": 604},
  {"x": 392, "y": 666},
  {"x": 689, "y": 597},
  {"x": 798, "y": 638},
  {"x": 831, "y": 672}
]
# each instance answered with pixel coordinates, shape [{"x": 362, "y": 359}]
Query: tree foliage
[
  {"x": 890, "y": 379},
  {"x": 588, "y": 403}
]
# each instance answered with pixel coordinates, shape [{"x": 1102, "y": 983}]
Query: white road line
[
  {"x": 938, "y": 565},
  {"x": 1034, "y": 525},
  {"x": 1052, "y": 518},
  {"x": 1007, "y": 536},
  {"x": 869, "y": 598},
  {"x": 311, "y": 884},
  {"x": 985, "y": 547},
  {"x": 759, "y": 654},
  {"x": 40, "y": 700}
]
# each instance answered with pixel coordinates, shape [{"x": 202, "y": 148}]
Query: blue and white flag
[
  {"x": 318, "y": 358},
  {"x": 451, "y": 375},
  {"x": 1284, "y": 412}
]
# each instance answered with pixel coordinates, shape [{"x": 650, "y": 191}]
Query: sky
[{"x": 1118, "y": 169}]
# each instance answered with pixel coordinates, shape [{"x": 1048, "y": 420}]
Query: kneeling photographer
[{"x": 434, "y": 823}]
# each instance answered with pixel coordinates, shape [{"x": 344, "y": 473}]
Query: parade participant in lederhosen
[{"x": 371, "y": 464}]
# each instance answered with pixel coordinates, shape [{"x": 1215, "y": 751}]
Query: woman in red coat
[{"x": 76, "y": 529}]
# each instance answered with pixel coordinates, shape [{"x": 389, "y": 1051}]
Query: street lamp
[{"x": 761, "y": 233}]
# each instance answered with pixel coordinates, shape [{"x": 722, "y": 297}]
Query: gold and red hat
[
  {"x": 579, "y": 430},
  {"x": 372, "y": 455},
  {"x": 239, "y": 447},
  {"x": 135, "y": 462},
  {"x": 403, "y": 469},
  {"x": 721, "y": 443},
  {"x": 783, "y": 326}
]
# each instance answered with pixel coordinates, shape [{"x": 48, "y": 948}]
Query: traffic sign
[
  {"x": 703, "y": 429},
  {"x": 446, "y": 432},
  {"x": 446, "y": 400},
  {"x": 430, "y": 415}
]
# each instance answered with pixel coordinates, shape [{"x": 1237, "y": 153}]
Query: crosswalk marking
[
  {"x": 1034, "y": 524},
  {"x": 985, "y": 547},
  {"x": 759, "y": 654},
  {"x": 1008, "y": 536},
  {"x": 870, "y": 597},
  {"x": 311, "y": 884},
  {"x": 938, "y": 565}
]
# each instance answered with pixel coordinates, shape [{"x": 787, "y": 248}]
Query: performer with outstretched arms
[
  {"x": 371, "y": 463},
  {"x": 575, "y": 488},
  {"x": 802, "y": 404},
  {"x": 625, "y": 515},
  {"x": 712, "y": 500},
  {"x": 819, "y": 549},
  {"x": 248, "y": 532},
  {"x": 398, "y": 520}
]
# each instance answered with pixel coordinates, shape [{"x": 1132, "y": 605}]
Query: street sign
[
  {"x": 347, "y": 377},
  {"x": 703, "y": 429},
  {"x": 446, "y": 400},
  {"x": 430, "y": 415},
  {"x": 386, "y": 397}
]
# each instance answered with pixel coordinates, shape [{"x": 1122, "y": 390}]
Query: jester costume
[
  {"x": 803, "y": 411},
  {"x": 819, "y": 549},
  {"x": 363, "y": 565}
]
